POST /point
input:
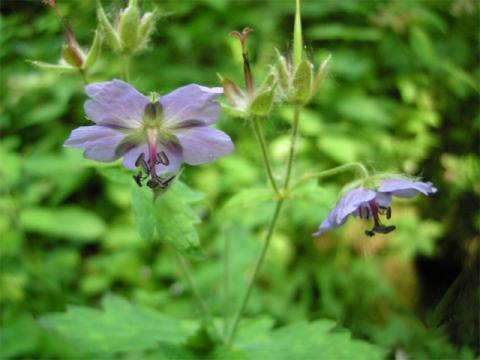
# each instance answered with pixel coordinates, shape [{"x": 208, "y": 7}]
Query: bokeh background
[{"x": 402, "y": 95}]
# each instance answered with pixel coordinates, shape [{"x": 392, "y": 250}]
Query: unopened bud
[
  {"x": 94, "y": 51},
  {"x": 128, "y": 28}
]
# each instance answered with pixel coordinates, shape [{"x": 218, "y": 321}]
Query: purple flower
[
  {"x": 157, "y": 136},
  {"x": 366, "y": 203}
]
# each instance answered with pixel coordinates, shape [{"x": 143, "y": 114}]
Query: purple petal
[
  {"x": 99, "y": 142},
  {"x": 351, "y": 201},
  {"x": 115, "y": 103},
  {"x": 329, "y": 223},
  {"x": 383, "y": 199},
  {"x": 173, "y": 154},
  {"x": 203, "y": 144},
  {"x": 406, "y": 188},
  {"x": 191, "y": 104}
]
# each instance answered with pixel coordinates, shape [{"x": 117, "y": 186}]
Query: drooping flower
[
  {"x": 371, "y": 203},
  {"x": 156, "y": 136}
]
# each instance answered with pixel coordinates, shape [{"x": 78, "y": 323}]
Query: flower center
[{"x": 375, "y": 211}]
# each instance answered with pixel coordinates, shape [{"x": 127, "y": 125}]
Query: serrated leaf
[
  {"x": 175, "y": 219},
  {"x": 71, "y": 222},
  {"x": 144, "y": 211},
  {"x": 119, "y": 327},
  {"x": 315, "y": 340},
  {"x": 248, "y": 198}
]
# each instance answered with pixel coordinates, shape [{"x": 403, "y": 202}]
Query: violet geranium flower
[
  {"x": 155, "y": 136},
  {"x": 366, "y": 203}
]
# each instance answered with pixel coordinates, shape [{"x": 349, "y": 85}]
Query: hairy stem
[
  {"x": 126, "y": 68},
  {"x": 293, "y": 143},
  {"x": 263, "y": 145},
  {"x": 233, "y": 331},
  {"x": 334, "y": 171}
]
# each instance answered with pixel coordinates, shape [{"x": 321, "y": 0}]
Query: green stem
[
  {"x": 263, "y": 145},
  {"x": 126, "y": 68},
  {"x": 226, "y": 278},
  {"x": 330, "y": 172},
  {"x": 84, "y": 76},
  {"x": 296, "y": 119},
  {"x": 188, "y": 277},
  {"x": 231, "y": 336}
]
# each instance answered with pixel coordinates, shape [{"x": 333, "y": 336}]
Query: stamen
[
  {"x": 389, "y": 213},
  {"x": 162, "y": 158},
  {"x": 138, "y": 178}
]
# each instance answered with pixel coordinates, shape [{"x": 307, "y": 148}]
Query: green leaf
[
  {"x": 119, "y": 327},
  {"x": 144, "y": 211},
  {"x": 315, "y": 340},
  {"x": 175, "y": 219},
  {"x": 70, "y": 222},
  {"x": 247, "y": 198}
]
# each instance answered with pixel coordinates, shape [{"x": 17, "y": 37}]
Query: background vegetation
[{"x": 402, "y": 95}]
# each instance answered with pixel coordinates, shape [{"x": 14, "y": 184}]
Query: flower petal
[
  {"x": 173, "y": 154},
  {"x": 191, "y": 104},
  {"x": 406, "y": 188},
  {"x": 351, "y": 201},
  {"x": 203, "y": 144},
  {"x": 99, "y": 142},
  {"x": 115, "y": 103},
  {"x": 329, "y": 223}
]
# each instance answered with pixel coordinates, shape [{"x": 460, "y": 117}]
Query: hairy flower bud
[
  {"x": 298, "y": 85},
  {"x": 129, "y": 28},
  {"x": 131, "y": 31}
]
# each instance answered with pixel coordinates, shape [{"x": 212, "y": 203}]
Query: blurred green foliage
[{"x": 402, "y": 95}]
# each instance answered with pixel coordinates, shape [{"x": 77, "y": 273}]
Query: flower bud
[
  {"x": 129, "y": 28},
  {"x": 131, "y": 31}
]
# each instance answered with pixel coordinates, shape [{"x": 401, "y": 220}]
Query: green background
[{"x": 401, "y": 96}]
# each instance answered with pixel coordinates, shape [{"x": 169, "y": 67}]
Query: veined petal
[
  {"x": 99, "y": 142},
  {"x": 115, "y": 103},
  {"x": 191, "y": 104},
  {"x": 406, "y": 188},
  {"x": 173, "y": 153},
  {"x": 351, "y": 201},
  {"x": 203, "y": 144}
]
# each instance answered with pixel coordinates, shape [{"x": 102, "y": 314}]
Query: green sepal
[
  {"x": 107, "y": 28},
  {"x": 302, "y": 82},
  {"x": 61, "y": 68},
  {"x": 129, "y": 29},
  {"x": 145, "y": 29},
  {"x": 94, "y": 51},
  {"x": 234, "y": 112},
  {"x": 322, "y": 72},
  {"x": 234, "y": 94},
  {"x": 262, "y": 104},
  {"x": 72, "y": 56},
  {"x": 283, "y": 74}
]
